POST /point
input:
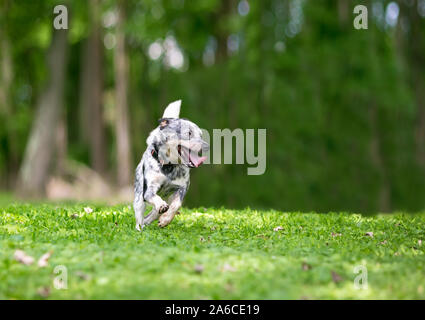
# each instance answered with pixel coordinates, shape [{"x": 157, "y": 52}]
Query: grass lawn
[{"x": 209, "y": 254}]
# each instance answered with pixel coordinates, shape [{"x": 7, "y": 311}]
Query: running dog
[{"x": 174, "y": 148}]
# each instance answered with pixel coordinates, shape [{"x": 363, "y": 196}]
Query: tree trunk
[
  {"x": 221, "y": 33},
  {"x": 415, "y": 54},
  {"x": 123, "y": 144},
  {"x": 384, "y": 197},
  {"x": 38, "y": 156},
  {"x": 91, "y": 105},
  {"x": 343, "y": 12},
  {"x": 61, "y": 145},
  {"x": 376, "y": 150},
  {"x": 6, "y": 110},
  {"x": 6, "y": 73}
]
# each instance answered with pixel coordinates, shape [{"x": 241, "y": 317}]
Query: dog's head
[{"x": 176, "y": 140}]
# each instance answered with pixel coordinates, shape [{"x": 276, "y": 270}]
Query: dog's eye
[{"x": 190, "y": 133}]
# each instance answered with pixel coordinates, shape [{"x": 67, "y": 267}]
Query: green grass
[{"x": 210, "y": 254}]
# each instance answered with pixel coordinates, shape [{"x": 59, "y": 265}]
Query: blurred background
[{"x": 344, "y": 109}]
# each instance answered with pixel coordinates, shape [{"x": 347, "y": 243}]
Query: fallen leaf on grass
[
  {"x": 44, "y": 259},
  {"x": 199, "y": 268},
  {"x": 419, "y": 242},
  {"x": 74, "y": 216},
  {"x": 336, "y": 277},
  {"x": 383, "y": 242},
  {"x": 336, "y": 234},
  {"x": 227, "y": 267},
  {"x": 82, "y": 275},
  {"x": 305, "y": 266},
  {"x": 278, "y": 228},
  {"x": 369, "y": 234},
  {"x": 22, "y": 257},
  {"x": 202, "y": 239},
  {"x": 88, "y": 210},
  {"x": 44, "y": 292},
  {"x": 229, "y": 287}
]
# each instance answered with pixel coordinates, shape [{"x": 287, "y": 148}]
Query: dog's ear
[
  {"x": 163, "y": 122},
  {"x": 172, "y": 110}
]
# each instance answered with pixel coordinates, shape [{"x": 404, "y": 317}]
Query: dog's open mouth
[{"x": 190, "y": 157}]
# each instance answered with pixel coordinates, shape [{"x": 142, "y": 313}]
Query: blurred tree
[
  {"x": 221, "y": 24},
  {"x": 123, "y": 139},
  {"x": 343, "y": 12},
  {"x": 39, "y": 151},
  {"x": 6, "y": 79},
  {"x": 91, "y": 91},
  {"x": 415, "y": 56},
  {"x": 6, "y": 64}
]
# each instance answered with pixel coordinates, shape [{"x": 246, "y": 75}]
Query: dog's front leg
[
  {"x": 151, "y": 197},
  {"x": 175, "y": 203}
]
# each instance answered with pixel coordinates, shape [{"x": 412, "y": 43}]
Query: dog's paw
[
  {"x": 139, "y": 227},
  {"x": 164, "y": 221},
  {"x": 163, "y": 208}
]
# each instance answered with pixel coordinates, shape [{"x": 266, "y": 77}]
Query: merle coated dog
[{"x": 174, "y": 148}]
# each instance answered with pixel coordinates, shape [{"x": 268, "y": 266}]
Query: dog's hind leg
[
  {"x": 139, "y": 203},
  {"x": 139, "y": 211},
  {"x": 152, "y": 216}
]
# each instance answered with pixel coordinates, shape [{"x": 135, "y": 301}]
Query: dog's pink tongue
[{"x": 197, "y": 161}]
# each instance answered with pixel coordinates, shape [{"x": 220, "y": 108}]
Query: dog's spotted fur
[{"x": 163, "y": 173}]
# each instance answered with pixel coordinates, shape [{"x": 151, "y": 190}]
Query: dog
[{"x": 164, "y": 170}]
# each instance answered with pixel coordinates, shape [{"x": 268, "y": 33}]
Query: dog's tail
[{"x": 139, "y": 203}]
